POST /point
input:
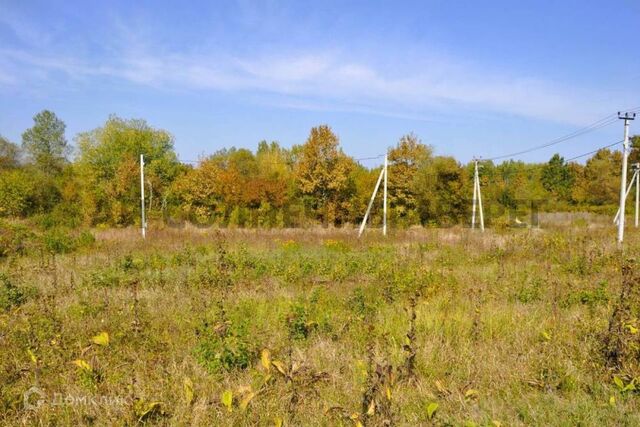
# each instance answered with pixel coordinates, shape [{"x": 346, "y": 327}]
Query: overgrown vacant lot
[{"x": 442, "y": 327}]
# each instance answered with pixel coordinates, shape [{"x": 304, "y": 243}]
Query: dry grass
[{"x": 509, "y": 328}]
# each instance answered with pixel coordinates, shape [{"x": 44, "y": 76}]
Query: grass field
[{"x": 295, "y": 327}]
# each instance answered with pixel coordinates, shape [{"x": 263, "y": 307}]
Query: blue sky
[{"x": 468, "y": 77}]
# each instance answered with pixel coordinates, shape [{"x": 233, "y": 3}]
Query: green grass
[{"x": 509, "y": 328}]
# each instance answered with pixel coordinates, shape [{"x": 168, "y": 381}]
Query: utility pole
[
  {"x": 477, "y": 198},
  {"x": 480, "y": 200},
  {"x": 637, "y": 168},
  {"x": 373, "y": 196},
  {"x": 384, "y": 207},
  {"x": 143, "y": 223},
  {"x": 623, "y": 179},
  {"x": 626, "y": 194}
]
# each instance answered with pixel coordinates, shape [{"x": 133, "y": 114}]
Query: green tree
[
  {"x": 322, "y": 175},
  {"x": 404, "y": 161},
  {"x": 109, "y": 163},
  {"x": 9, "y": 154},
  {"x": 17, "y": 193},
  {"x": 599, "y": 182},
  {"x": 634, "y": 155},
  {"x": 45, "y": 143},
  {"x": 440, "y": 191},
  {"x": 557, "y": 178}
]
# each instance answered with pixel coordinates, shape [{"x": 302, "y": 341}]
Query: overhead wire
[
  {"x": 599, "y": 124},
  {"x": 593, "y": 151}
]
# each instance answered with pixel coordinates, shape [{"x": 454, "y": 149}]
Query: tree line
[{"x": 96, "y": 182}]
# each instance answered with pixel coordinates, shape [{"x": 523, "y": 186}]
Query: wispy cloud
[{"x": 315, "y": 78}]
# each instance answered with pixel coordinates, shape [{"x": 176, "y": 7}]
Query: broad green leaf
[
  {"x": 101, "y": 339},
  {"x": 82, "y": 365},
  {"x": 227, "y": 400},
  {"x": 431, "y": 409},
  {"x": 618, "y": 382},
  {"x": 630, "y": 387}
]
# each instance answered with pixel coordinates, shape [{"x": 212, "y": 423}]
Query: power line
[
  {"x": 598, "y": 124},
  {"x": 370, "y": 158},
  {"x": 603, "y": 122},
  {"x": 593, "y": 152},
  {"x": 280, "y": 162}
]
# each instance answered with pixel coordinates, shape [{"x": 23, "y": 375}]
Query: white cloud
[{"x": 327, "y": 78}]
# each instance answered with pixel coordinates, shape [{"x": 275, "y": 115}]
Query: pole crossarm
[{"x": 627, "y": 117}]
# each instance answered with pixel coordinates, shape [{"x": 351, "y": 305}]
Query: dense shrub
[
  {"x": 10, "y": 295},
  {"x": 14, "y": 239},
  {"x": 61, "y": 240},
  {"x": 225, "y": 347}
]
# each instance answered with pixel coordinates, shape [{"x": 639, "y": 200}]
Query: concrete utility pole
[
  {"x": 623, "y": 179},
  {"x": 373, "y": 196},
  {"x": 384, "y": 207},
  {"x": 636, "y": 166},
  {"x": 383, "y": 175},
  {"x": 143, "y": 223},
  {"x": 477, "y": 198},
  {"x": 626, "y": 194}
]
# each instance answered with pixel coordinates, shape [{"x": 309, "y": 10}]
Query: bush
[
  {"x": 224, "y": 348},
  {"x": 589, "y": 297},
  {"x": 58, "y": 241},
  {"x": 14, "y": 239},
  {"x": 105, "y": 278},
  {"x": 298, "y": 323},
  {"x": 17, "y": 190},
  {"x": 10, "y": 295},
  {"x": 61, "y": 241},
  {"x": 85, "y": 239}
]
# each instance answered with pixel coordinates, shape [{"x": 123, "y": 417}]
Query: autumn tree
[
  {"x": 439, "y": 187},
  {"x": 599, "y": 182},
  {"x": 45, "y": 143},
  {"x": 364, "y": 181},
  {"x": 557, "y": 178},
  {"x": 322, "y": 175},
  {"x": 405, "y": 159},
  {"x": 9, "y": 154},
  {"x": 235, "y": 187},
  {"x": 634, "y": 155},
  {"x": 109, "y": 165}
]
